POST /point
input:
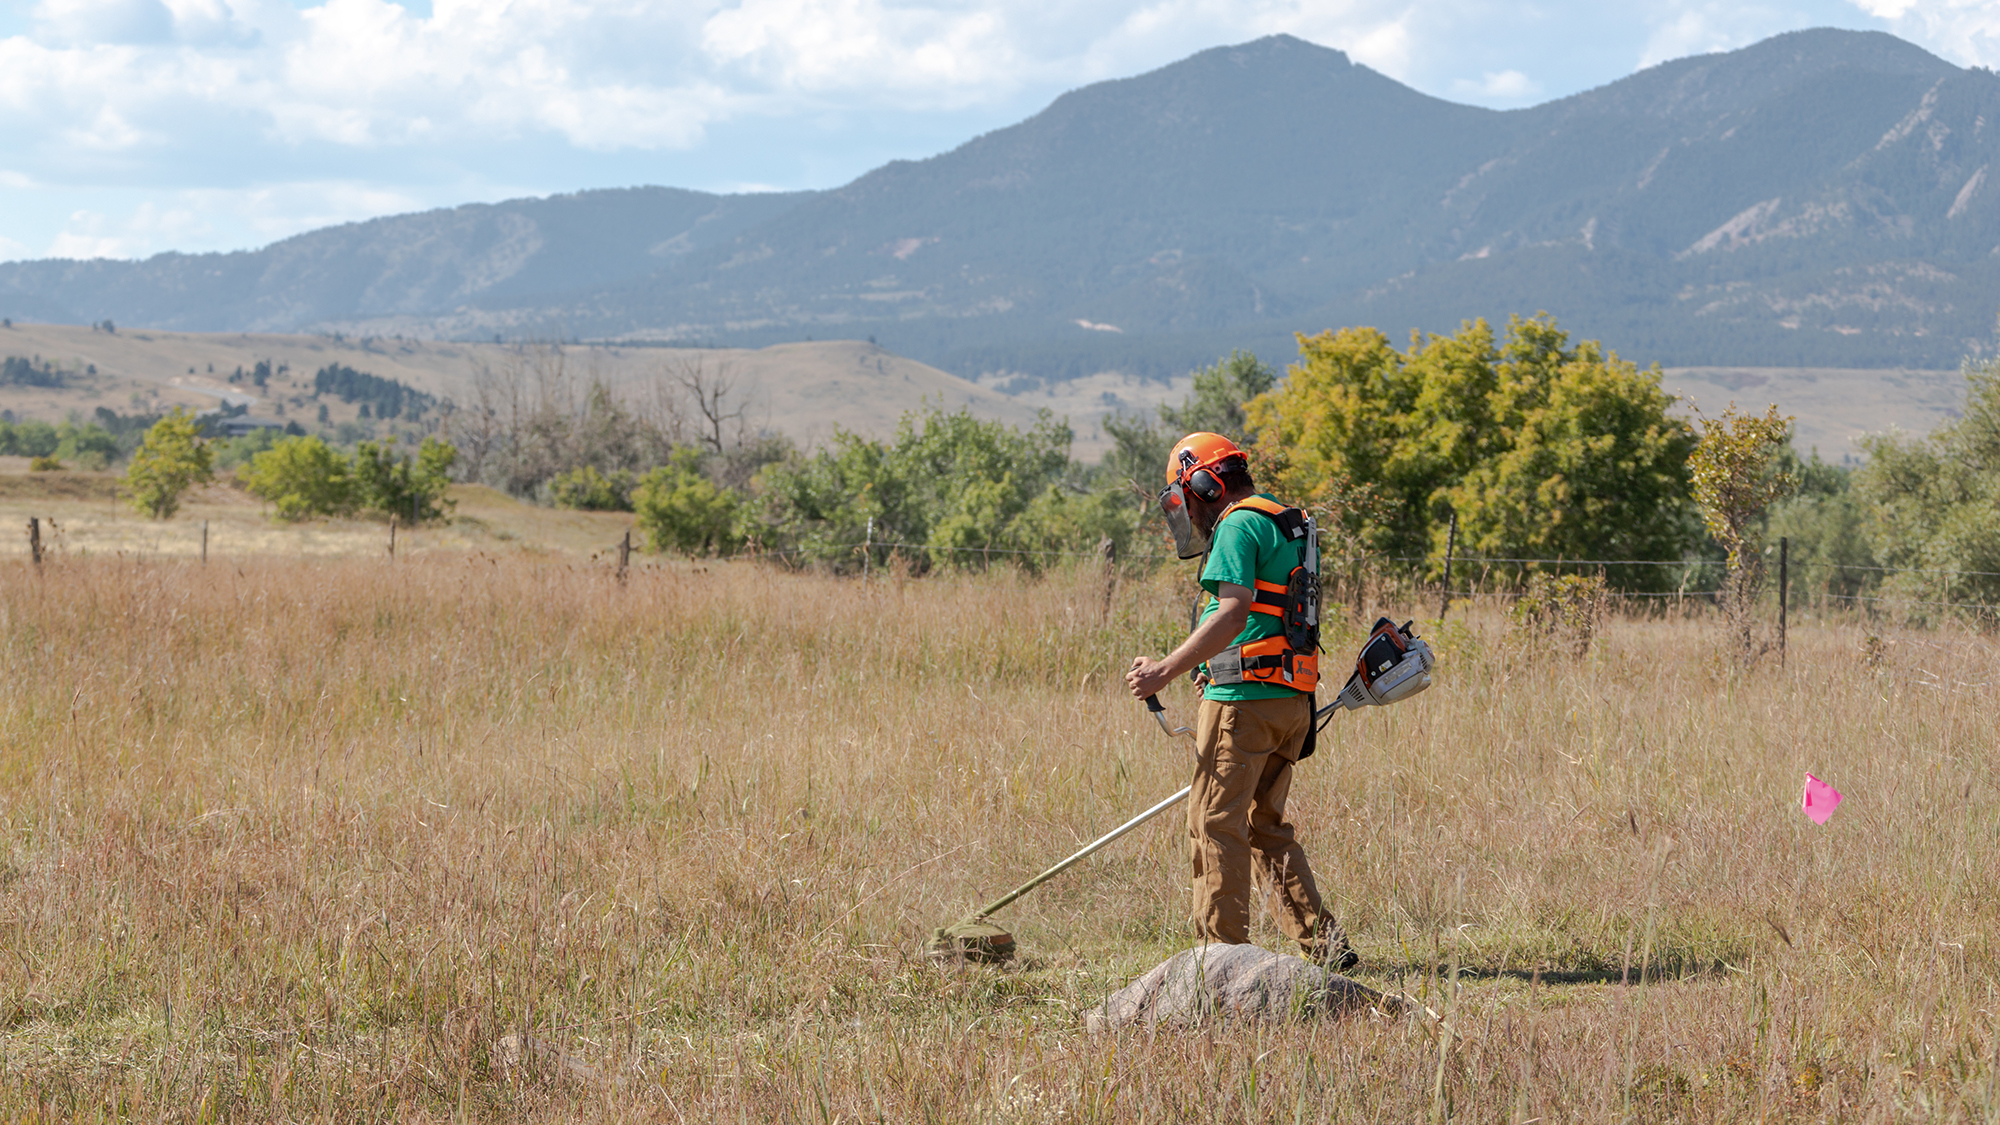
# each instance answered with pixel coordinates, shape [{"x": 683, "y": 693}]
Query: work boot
[{"x": 1329, "y": 946}]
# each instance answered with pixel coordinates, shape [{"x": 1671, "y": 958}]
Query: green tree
[
  {"x": 1135, "y": 465},
  {"x": 406, "y": 486},
  {"x": 172, "y": 459},
  {"x": 1572, "y": 454},
  {"x": 29, "y": 438},
  {"x": 302, "y": 477},
  {"x": 1215, "y": 403},
  {"x": 1826, "y": 521},
  {"x": 91, "y": 446},
  {"x": 681, "y": 510},
  {"x": 1735, "y": 474},
  {"x": 1542, "y": 448},
  {"x": 1934, "y": 505}
]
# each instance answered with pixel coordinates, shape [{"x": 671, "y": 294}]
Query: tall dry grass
[{"x": 320, "y": 841}]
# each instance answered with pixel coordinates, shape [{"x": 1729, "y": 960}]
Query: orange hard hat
[{"x": 1199, "y": 450}]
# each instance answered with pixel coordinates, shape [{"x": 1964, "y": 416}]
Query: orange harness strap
[{"x": 1271, "y": 660}]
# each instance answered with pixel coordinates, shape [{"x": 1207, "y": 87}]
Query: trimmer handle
[{"x": 1159, "y": 712}]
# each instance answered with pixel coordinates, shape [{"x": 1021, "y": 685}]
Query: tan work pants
[{"x": 1236, "y": 819}]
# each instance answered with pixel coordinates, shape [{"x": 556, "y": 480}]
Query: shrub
[
  {"x": 965, "y": 491},
  {"x": 587, "y": 489},
  {"x": 302, "y": 477},
  {"x": 1563, "y": 612},
  {"x": 238, "y": 451},
  {"x": 28, "y": 438},
  {"x": 44, "y": 465},
  {"x": 683, "y": 511},
  {"x": 1931, "y": 503}
]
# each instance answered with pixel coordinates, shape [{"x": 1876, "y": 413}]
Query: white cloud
[
  {"x": 1964, "y": 31},
  {"x": 1502, "y": 85},
  {"x": 103, "y": 21},
  {"x": 1693, "y": 31},
  {"x": 844, "y": 44},
  {"x": 259, "y": 118},
  {"x": 278, "y": 211}
]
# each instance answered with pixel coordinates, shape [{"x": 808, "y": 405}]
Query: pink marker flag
[{"x": 1820, "y": 799}]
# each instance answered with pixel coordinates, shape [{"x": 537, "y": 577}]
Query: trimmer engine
[{"x": 1394, "y": 665}]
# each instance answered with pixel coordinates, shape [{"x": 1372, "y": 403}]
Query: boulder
[{"x": 1234, "y": 982}]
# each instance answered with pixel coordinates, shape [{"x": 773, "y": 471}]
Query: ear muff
[{"x": 1205, "y": 485}]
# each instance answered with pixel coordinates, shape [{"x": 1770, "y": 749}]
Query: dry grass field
[
  {"x": 88, "y": 514},
  {"x": 480, "y": 836}
]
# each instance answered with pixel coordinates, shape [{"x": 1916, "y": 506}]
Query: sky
[{"x": 133, "y": 127}]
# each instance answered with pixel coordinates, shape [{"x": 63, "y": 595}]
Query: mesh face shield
[{"x": 1189, "y": 543}]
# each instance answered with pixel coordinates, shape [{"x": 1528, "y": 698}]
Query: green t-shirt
[{"x": 1248, "y": 546}]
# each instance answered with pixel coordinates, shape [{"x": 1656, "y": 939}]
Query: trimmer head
[{"x": 975, "y": 939}]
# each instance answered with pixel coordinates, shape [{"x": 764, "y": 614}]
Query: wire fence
[
  {"x": 1352, "y": 571},
  {"x": 1360, "y": 564}
]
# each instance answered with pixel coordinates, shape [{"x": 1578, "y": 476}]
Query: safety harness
[{"x": 1290, "y": 658}]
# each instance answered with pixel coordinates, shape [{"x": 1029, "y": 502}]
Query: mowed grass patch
[{"x": 324, "y": 839}]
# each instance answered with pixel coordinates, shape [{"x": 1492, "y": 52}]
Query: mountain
[
  {"x": 1820, "y": 198},
  {"x": 517, "y": 252}
]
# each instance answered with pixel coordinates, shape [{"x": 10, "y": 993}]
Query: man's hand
[{"x": 1146, "y": 677}]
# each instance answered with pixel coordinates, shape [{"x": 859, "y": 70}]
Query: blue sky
[{"x": 131, "y": 127}]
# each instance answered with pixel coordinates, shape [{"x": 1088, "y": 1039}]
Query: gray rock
[{"x": 1234, "y": 982}]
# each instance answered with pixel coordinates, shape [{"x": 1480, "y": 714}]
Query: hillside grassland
[
  {"x": 806, "y": 390},
  {"x": 321, "y": 839},
  {"x": 802, "y": 390}
]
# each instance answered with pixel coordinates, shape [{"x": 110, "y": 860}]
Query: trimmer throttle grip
[{"x": 1153, "y": 704}]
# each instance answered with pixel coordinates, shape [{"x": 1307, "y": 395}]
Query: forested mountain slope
[{"x": 1821, "y": 198}]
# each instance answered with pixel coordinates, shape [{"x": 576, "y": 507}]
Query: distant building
[{"x": 245, "y": 424}]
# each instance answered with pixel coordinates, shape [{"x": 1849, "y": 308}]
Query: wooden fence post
[
  {"x": 204, "y": 542},
  {"x": 392, "y": 535},
  {"x": 624, "y": 553},
  {"x": 35, "y": 541},
  {"x": 867, "y": 547},
  {"x": 1109, "y": 550},
  {"x": 1784, "y": 592},
  {"x": 1450, "y": 547}
]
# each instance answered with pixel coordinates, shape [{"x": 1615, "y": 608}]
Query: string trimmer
[{"x": 1394, "y": 665}]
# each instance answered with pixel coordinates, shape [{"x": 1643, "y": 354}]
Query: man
[{"x": 1256, "y": 713}]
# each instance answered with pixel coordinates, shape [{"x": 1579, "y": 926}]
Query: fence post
[
  {"x": 867, "y": 547},
  {"x": 35, "y": 541},
  {"x": 392, "y": 535},
  {"x": 204, "y": 542},
  {"x": 624, "y": 553},
  {"x": 1450, "y": 547},
  {"x": 1784, "y": 592},
  {"x": 1109, "y": 550}
]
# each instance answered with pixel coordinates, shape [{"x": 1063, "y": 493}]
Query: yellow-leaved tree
[
  {"x": 1732, "y": 471},
  {"x": 1541, "y": 447},
  {"x": 172, "y": 458}
]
